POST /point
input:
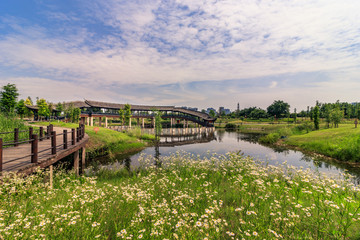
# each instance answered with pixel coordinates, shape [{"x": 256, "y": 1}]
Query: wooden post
[
  {"x": 34, "y": 148},
  {"x": 76, "y": 162},
  {"x": 16, "y": 137},
  {"x": 51, "y": 176},
  {"x": 41, "y": 135},
  {"x": 53, "y": 142},
  {"x": 1, "y": 154},
  {"x": 30, "y": 132},
  {"x": 83, "y": 157},
  {"x": 47, "y": 132},
  {"x": 65, "y": 139},
  {"x": 73, "y": 136},
  {"x": 77, "y": 134}
]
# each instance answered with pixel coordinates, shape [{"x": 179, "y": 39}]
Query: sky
[{"x": 203, "y": 53}]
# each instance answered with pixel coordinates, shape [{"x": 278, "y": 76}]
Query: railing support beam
[
  {"x": 34, "y": 148},
  {"x": 53, "y": 142},
  {"x": 65, "y": 138}
]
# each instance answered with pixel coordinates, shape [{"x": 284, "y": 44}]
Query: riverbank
[
  {"x": 222, "y": 197},
  {"x": 340, "y": 143},
  {"x": 109, "y": 142}
]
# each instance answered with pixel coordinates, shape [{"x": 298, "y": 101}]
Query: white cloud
[{"x": 157, "y": 42}]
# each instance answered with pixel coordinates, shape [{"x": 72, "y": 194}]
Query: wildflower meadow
[{"x": 182, "y": 197}]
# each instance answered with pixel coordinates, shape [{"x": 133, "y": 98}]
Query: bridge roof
[{"x": 149, "y": 108}]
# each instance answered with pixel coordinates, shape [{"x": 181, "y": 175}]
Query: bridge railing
[{"x": 76, "y": 136}]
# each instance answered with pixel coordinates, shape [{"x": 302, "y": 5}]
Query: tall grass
[
  {"x": 218, "y": 197},
  {"x": 8, "y": 123}
]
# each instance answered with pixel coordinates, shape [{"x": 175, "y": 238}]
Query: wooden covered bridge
[{"x": 91, "y": 110}]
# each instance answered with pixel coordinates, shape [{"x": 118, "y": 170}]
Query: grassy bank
[
  {"x": 106, "y": 141},
  {"x": 341, "y": 143},
  {"x": 224, "y": 197}
]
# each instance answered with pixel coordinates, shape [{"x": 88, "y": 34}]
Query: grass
[
  {"x": 8, "y": 124},
  {"x": 341, "y": 143},
  {"x": 112, "y": 141},
  {"x": 219, "y": 197}
]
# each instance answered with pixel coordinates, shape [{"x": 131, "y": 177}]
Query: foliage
[
  {"x": 230, "y": 126},
  {"x": 223, "y": 198},
  {"x": 28, "y": 101},
  {"x": 127, "y": 113},
  {"x": 258, "y": 113},
  {"x": 43, "y": 108},
  {"x": 21, "y": 108},
  {"x": 295, "y": 115},
  {"x": 122, "y": 116},
  {"x": 8, "y": 123},
  {"x": 316, "y": 118},
  {"x": 60, "y": 108},
  {"x": 158, "y": 125},
  {"x": 73, "y": 114},
  {"x": 212, "y": 113},
  {"x": 306, "y": 126},
  {"x": 278, "y": 109},
  {"x": 8, "y": 97},
  {"x": 270, "y": 138},
  {"x": 335, "y": 116}
]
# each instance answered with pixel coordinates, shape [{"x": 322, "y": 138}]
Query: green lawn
[{"x": 342, "y": 143}]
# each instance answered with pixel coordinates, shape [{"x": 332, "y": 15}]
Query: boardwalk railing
[{"x": 33, "y": 141}]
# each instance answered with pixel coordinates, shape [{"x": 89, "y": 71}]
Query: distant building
[
  {"x": 209, "y": 109},
  {"x": 221, "y": 110},
  {"x": 190, "y": 108}
]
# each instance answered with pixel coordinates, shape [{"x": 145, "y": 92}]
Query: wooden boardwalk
[{"x": 19, "y": 159}]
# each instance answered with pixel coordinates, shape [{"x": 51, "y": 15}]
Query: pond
[{"x": 221, "y": 142}]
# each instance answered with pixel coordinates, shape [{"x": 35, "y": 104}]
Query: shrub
[
  {"x": 230, "y": 126},
  {"x": 270, "y": 138}
]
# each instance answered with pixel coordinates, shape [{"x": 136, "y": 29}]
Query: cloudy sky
[{"x": 203, "y": 53}]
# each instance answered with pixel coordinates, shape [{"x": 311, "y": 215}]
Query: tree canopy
[
  {"x": 278, "y": 108},
  {"x": 8, "y": 97}
]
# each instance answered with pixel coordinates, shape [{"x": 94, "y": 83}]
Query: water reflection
[{"x": 222, "y": 142}]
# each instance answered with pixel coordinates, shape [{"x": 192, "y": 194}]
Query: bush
[
  {"x": 307, "y": 126},
  {"x": 230, "y": 126},
  {"x": 270, "y": 138}
]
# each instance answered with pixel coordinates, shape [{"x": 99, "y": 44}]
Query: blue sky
[{"x": 204, "y": 53}]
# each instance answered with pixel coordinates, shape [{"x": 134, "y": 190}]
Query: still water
[{"x": 222, "y": 142}]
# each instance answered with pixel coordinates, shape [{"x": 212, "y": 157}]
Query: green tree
[
  {"x": 295, "y": 115},
  {"x": 127, "y": 113},
  {"x": 316, "y": 118},
  {"x": 8, "y": 98},
  {"x": 75, "y": 115},
  {"x": 336, "y": 115},
  {"x": 212, "y": 113},
  {"x": 59, "y": 108},
  {"x": 278, "y": 108},
  {"x": 43, "y": 108},
  {"x": 122, "y": 116},
  {"x": 258, "y": 113},
  {"x": 327, "y": 111},
  {"x": 21, "y": 108},
  {"x": 158, "y": 125}
]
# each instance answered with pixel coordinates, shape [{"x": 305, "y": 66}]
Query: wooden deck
[{"x": 18, "y": 159}]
